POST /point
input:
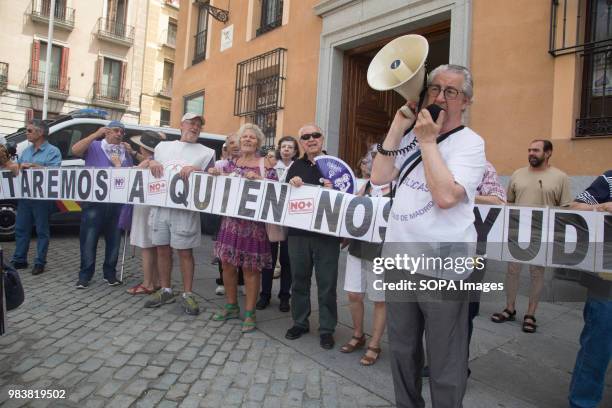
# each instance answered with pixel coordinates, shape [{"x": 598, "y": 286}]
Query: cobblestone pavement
[{"x": 104, "y": 349}]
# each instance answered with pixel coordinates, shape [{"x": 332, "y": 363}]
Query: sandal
[
  {"x": 249, "y": 325},
  {"x": 350, "y": 347},
  {"x": 229, "y": 311},
  {"x": 505, "y": 316},
  {"x": 139, "y": 290},
  {"x": 367, "y": 360},
  {"x": 529, "y": 327}
]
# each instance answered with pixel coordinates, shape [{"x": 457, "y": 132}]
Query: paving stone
[
  {"x": 177, "y": 367},
  {"x": 34, "y": 374},
  {"x": 82, "y": 391},
  {"x": 91, "y": 365},
  {"x": 109, "y": 389},
  {"x": 139, "y": 360},
  {"x": 177, "y": 391},
  {"x": 209, "y": 350},
  {"x": 62, "y": 370},
  {"x": 199, "y": 363},
  {"x": 257, "y": 392},
  {"x": 137, "y": 387},
  {"x": 213, "y": 400},
  {"x": 272, "y": 402},
  {"x": 118, "y": 360},
  {"x": 191, "y": 401},
  {"x": 167, "y": 404},
  {"x": 126, "y": 372},
  {"x": 219, "y": 358},
  {"x": 189, "y": 376},
  {"x": 151, "y": 372},
  {"x": 150, "y": 399},
  {"x": 165, "y": 381},
  {"x": 209, "y": 373},
  {"x": 187, "y": 354},
  {"x": 122, "y": 400}
]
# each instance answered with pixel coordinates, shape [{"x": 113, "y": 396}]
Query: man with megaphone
[{"x": 438, "y": 166}]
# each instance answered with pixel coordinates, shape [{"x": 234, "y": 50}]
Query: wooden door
[{"x": 367, "y": 113}]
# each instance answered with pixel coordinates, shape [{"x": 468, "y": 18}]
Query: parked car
[{"x": 64, "y": 132}]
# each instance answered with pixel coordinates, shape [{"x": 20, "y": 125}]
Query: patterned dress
[{"x": 240, "y": 242}]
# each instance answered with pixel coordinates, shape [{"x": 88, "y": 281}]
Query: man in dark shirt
[
  {"x": 308, "y": 249},
  {"x": 588, "y": 378}
]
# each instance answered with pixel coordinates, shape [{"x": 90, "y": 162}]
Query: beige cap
[{"x": 191, "y": 115}]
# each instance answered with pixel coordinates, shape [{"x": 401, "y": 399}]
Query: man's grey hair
[
  {"x": 40, "y": 125},
  {"x": 314, "y": 125},
  {"x": 468, "y": 82}
]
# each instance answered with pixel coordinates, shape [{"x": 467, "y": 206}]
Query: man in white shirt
[
  {"x": 174, "y": 228},
  {"x": 433, "y": 208}
]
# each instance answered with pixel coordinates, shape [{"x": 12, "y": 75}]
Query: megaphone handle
[{"x": 407, "y": 112}]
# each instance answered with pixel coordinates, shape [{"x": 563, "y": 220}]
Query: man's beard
[{"x": 535, "y": 161}]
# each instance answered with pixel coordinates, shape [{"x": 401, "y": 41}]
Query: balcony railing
[
  {"x": 164, "y": 123},
  {"x": 3, "y": 75},
  {"x": 57, "y": 83},
  {"x": 63, "y": 17},
  {"x": 116, "y": 32},
  {"x": 199, "y": 53},
  {"x": 111, "y": 93},
  {"x": 164, "y": 88},
  {"x": 168, "y": 38}
]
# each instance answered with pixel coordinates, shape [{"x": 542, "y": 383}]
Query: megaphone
[{"x": 400, "y": 65}]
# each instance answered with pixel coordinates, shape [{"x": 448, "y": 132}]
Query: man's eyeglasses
[
  {"x": 449, "y": 93},
  {"x": 307, "y": 136}
]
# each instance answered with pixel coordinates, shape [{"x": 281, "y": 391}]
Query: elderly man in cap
[
  {"x": 103, "y": 148},
  {"x": 174, "y": 228},
  {"x": 38, "y": 154}
]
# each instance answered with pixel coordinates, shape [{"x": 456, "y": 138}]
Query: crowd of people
[{"x": 436, "y": 169}]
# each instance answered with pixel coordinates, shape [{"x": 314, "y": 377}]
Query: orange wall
[
  {"x": 517, "y": 84},
  {"x": 522, "y": 93},
  {"x": 217, "y": 74}
]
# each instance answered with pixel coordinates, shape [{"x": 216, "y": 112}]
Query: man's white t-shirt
[
  {"x": 176, "y": 154},
  {"x": 414, "y": 217}
]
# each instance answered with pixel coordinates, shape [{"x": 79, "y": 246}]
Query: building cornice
[{"x": 327, "y": 6}]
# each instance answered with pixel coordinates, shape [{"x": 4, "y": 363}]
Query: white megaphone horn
[{"x": 400, "y": 65}]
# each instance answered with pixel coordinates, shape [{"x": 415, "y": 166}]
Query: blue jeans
[
  {"x": 32, "y": 212},
  {"x": 592, "y": 361},
  {"x": 99, "y": 219}
]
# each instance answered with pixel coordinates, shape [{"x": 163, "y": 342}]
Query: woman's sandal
[
  {"x": 368, "y": 360},
  {"x": 504, "y": 316},
  {"x": 350, "y": 347},
  {"x": 248, "y": 325},
  {"x": 529, "y": 327},
  {"x": 229, "y": 311}
]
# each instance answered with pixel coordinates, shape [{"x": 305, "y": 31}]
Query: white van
[{"x": 64, "y": 132}]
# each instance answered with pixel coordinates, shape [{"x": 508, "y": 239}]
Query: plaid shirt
[{"x": 489, "y": 186}]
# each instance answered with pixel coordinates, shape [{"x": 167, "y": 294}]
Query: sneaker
[
  {"x": 113, "y": 281},
  {"x": 262, "y": 303},
  {"x": 284, "y": 305},
  {"x": 19, "y": 265},
  {"x": 159, "y": 298},
  {"x": 82, "y": 284},
  {"x": 327, "y": 341},
  {"x": 220, "y": 291},
  {"x": 38, "y": 269},
  {"x": 189, "y": 304},
  {"x": 295, "y": 332}
]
